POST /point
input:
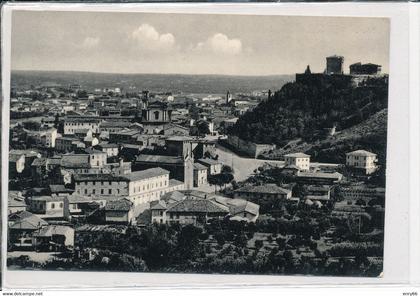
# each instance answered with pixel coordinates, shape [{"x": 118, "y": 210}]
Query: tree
[{"x": 203, "y": 128}]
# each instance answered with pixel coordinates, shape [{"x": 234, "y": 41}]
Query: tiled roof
[
  {"x": 26, "y": 220},
  {"x": 208, "y": 161},
  {"x": 197, "y": 206},
  {"x": 51, "y": 230},
  {"x": 119, "y": 205},
  {"x": 98, "y": 177},
  {"x": 115, "y": 124},
  {"x": 199, "y": 166},
  {"x": 361, "y": 153},
  {"x": 48, "y": 198},
  {"x": 164, "y": 159},
  {"x": 39, "y": 162},
  {"x": 15, "y": 157},
  {"x": 335, "y": 175},
  {"x": 266, "y": 188},
  {"x": 146, "y": 174},
  {"x": 297, "y": 155},
  {"x": 58, "y": 188},
  {"x": 158, "y": 205}
]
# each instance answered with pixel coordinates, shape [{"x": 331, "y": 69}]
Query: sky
[{"x": 122, "y": 42}]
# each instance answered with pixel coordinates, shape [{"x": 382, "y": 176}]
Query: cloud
[
  {"x": 220, "y": 44},
  {"x": 90, "y": 42},
  {"x": 148, "y": 38}
]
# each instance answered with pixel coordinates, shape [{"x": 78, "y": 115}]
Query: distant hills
[{"x": 176, "y": 83}]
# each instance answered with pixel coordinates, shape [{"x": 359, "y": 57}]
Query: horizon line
[{"x": 139, "y": 73}]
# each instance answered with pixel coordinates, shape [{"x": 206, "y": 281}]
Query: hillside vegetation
[
  {"x": 370, "y": 134},
  {"x": 304, "y": 111},
  {"x": 297, "y": 116}
]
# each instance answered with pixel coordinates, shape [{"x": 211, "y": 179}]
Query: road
[{"x": 244, "y": 167}]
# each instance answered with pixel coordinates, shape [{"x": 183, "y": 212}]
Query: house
[
  {"x": 16, "y": 164},
  {"x": 200, "y": 174},
  {"x": 301, "y": 160},
  {"x": 362, "y": 160},
  {"x": 178, "y": 167},
  {"x": 60, "y": 190},
  {"x": 114, "y": 126},
  {"x": 138, "y": 186},
  {"x": 66, "y": 144},
  {"x": 214, "y": 167},
  {"x": 320, "y": 193},
  {"x": 21, "y": 226},
  {"x": 319, "y": 177},
  {"x": 48, "y": 207},
  {"x": 266, "y": 191},
  {"x": 53, "y": 238},
  {"x": 16, "y": 161},
  {"x": 239, "y": 209},
  {"x": 45, "y": 137},
  {"x": 195, "y": 211},
  {"x": 111, "y": 149},
  {"x": 196, "y": 207},
  {"x": 71, "y": 124},
  {"x": 119, "y": 211},
  {"x": 97, "y": 158},
  {"x": 15, "y": 202},
  {"x": 83, "y": 205}
]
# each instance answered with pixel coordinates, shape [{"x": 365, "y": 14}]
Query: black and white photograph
[{"x": 197, "y": 143}]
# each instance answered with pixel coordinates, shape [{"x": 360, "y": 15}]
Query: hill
[
  {"x": 303, "y": 112},
  {"x": 176, "y": 83},
  {"x": 370, "y": 134}
]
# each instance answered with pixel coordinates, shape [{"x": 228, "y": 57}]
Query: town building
[
  {"x": 200, "y": 174},
  {"x": 16, "y": 165},
  {"x": 214, "y": 167},
  {"x": 71, "y": 124},
  {"x": 365, "y": 69},
  {"x": 138, "y": 186},
  {"x": 15, "y": 202},
  {"x": 21, "y": 226},
  {"x": 180, "y": 168},
  {"x": 317, "y": 177},
  {"x": 53, "y": 238},
  {"x": 267, "y": 191},
  {"x": 300, "y": 160},
  {"x": 49, "y": 207},
  {"x": 362, "y": 160},
  {"x": 334, "y": 65},
  {"x": 119, "y": 211}
]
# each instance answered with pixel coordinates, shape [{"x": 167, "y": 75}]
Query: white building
[
  {"x": 73, "y": 124},
  {"x": 362, "y": 160},
  {"x": 300, "y": 160}
]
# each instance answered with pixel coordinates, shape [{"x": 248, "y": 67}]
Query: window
[
  {"x": 52, "y": 205},
  {"x": 156, "y": 113},
  {"x": 93, "y": 191},
  {"x": 102, "y": 191},
  {"x": 86, "y": 191},
  {"x": 110, "y": 191},
  {"x": 61, "y": 205},
  {"x": 94, "y": 183}
]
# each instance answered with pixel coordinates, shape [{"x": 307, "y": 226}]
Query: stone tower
[{"x": 188, "y": 167}]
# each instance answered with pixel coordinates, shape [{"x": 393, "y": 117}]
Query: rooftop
[
  {"x": 164, "y": 159},
  {"x": 297, "y": 155},
  {"x": 361, "y": 153},
  {"x": 197, "y": 206},
  {"x": 146, "y": 174},
  {"x": 119, "y": 205},
  {"x": 267, "y": 188}
]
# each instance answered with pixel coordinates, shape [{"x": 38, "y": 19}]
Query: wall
[{"x": 248, "y": 148}]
